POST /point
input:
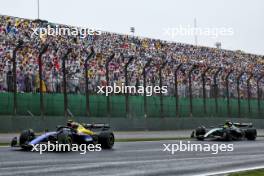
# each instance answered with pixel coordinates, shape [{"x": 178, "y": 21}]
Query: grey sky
[{"x": 151, "y": 17}]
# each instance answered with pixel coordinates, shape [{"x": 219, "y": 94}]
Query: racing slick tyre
[
  {"x": 200, "y": 132},
  {"x": 200, "y": 138},
  {"x": 192, "y": 134},
  {"x": 25, "y": 137},
  {"x": 107, "y": 140},
  {"x": 251, "y": 134},
  {"x": 227, "y": 135},
  {"x": 95, "y": 139},
  {"x": 65, "y": 138}
]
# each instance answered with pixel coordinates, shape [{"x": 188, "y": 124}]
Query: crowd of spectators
[{"x": 13, "y": 29}]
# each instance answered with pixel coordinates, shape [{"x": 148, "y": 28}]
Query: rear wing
[
  {"x": 243, "y": 124},
  {"x": 239, "y": 125},
  {"x": 97, "y": 126}
]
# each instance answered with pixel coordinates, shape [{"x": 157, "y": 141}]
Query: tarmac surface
[
  {"x": 134, "y": 159},
  {"x": 6, "y": 137}
]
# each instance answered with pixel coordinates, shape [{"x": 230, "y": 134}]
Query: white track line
[{"x": 232, "y": 171}]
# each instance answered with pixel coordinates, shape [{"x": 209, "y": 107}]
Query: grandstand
[{"x": 207, "y": 70}]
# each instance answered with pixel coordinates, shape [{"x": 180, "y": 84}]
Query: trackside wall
[{"x": 18, "y": 123}]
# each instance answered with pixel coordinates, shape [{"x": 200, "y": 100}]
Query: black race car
[{"x": 229, "y": 131}]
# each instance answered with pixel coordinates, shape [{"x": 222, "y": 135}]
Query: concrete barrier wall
[{"x": 16, "y": 124}]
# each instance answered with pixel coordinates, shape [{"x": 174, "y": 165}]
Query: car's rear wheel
[
  {"x": 251, "y": 134},
  {"x": 107, "y": 140},
  {"x": 95, "y": 139}
]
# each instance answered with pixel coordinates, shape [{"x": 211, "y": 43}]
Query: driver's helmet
[
  {"x": 229, "y": 123},
  {"x": 72, "y": 124},
  {"x": 69, "y": 123}
]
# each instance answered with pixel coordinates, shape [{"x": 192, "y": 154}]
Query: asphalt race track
[{"x": 133, "y": 158}]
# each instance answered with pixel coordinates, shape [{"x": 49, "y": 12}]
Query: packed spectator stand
[{"x": 13, "y": 29}]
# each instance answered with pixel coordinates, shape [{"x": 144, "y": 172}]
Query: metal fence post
[
  {"x": 107, "y": 82},
  {"x": 41, "y": 52},
  {"x": 190, "y": 89},
  {"x": 18, "y": 46},
  {"x": 248, "y": 92},
  {"x": 43, "y": 49},
  {"x": 126, "y": 84},
  {"x": 258, "y": 81},
  {"x": 65, "y": 82},
  {"x": 216, "y": 89},
  {"x": 176, "y": 89},
  {"x": 144, "y": 85},
  {"x": 238, "y": 93},
  {"x": 160, "y": 85},
  {"x": 204, "y": 91},
  {"x": 87, "y": 92},
  {"x": 227, "y": 92}
]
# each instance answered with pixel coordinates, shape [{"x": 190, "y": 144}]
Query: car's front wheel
[
  {"x": 25, "y": 137},
  {"x": 65, "y": 138},
  {"x": 227, "y": 135}
]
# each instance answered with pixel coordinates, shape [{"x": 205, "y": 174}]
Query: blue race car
[{"x": 73, "y": 133}]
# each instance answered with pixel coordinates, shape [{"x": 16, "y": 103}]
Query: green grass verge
[
  {"x": 4, "y": 144},
  {"x": 259, "y": 172}
]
